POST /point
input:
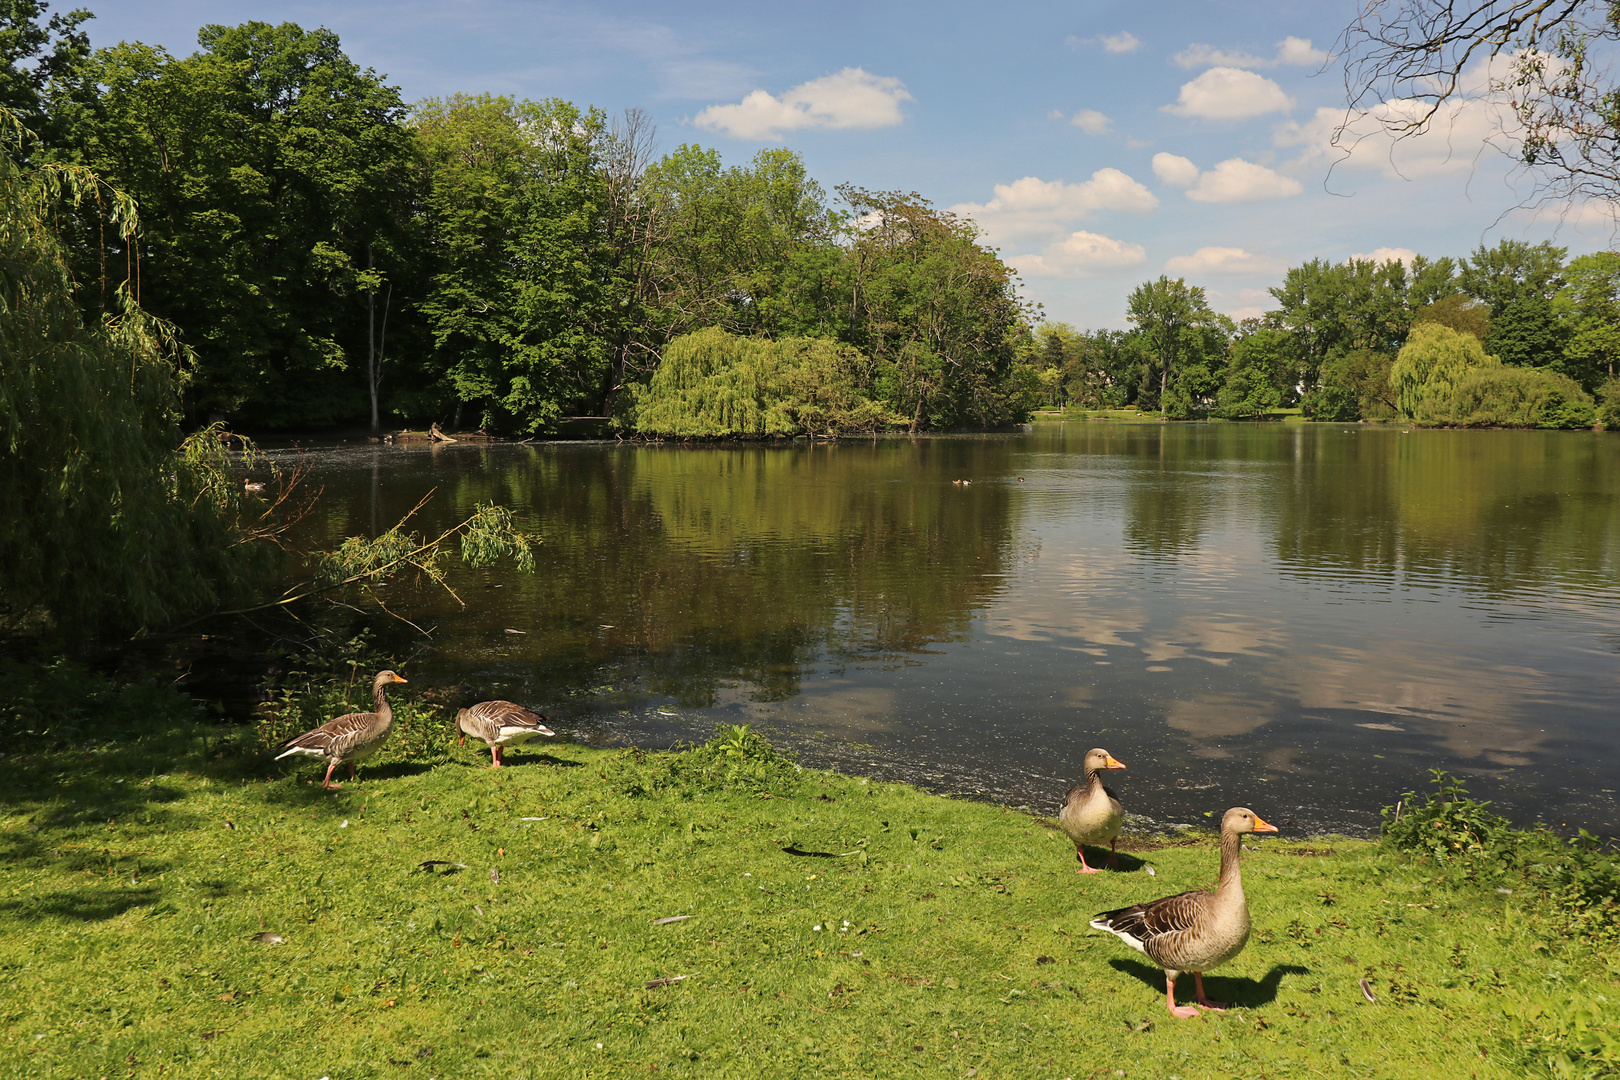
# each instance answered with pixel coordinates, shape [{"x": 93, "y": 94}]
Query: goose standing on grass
[
  {"x": 1091, "y": 813},
  {"x": 1195, "y": 931},
  {"x": 351, "y": 737},
  {"x": 500, "y": 724}
]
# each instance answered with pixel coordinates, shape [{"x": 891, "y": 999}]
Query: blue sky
[{"x": 1097, "y": 144}]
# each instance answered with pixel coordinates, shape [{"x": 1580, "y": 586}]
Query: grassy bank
[{"x": 441, "y": 919}]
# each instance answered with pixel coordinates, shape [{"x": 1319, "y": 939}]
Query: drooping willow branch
[{"x": 486, "y": 536}]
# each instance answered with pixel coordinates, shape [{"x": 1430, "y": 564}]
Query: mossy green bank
[{"x": 178, "y": 906}]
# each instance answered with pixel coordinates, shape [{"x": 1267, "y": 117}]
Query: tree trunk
[{"x": 371, "y": 344}]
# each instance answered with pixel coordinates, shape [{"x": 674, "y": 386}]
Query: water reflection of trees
[
  {"x": 682, "y": 570},
  {"x": 1498, "y": 511}
]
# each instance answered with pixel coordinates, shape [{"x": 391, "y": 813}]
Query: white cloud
[
  {"x": 1033, "y": 208},
  {"x": 1292, "y": 51},
  {"x": 1458, "y": 134},
  {"x": 1300, "y": 53},
  {"x": 1226, "y": 93},
  {"x": 851, "y": 98},
  {"x": 1236, "y": 180},
  {"x": 1083, "y": 254},
  {"x": 1175, "y": 170},
  {"x": 1403, "y": 256},
  {"x": 1119, "y": 43},
  {"x": 1197, "y": 56},
  {"x": 1091, "y": 122},
  {"x": 1230, "y": 261}
]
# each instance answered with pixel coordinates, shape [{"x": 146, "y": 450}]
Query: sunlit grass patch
[{"x": 454, "y": 920}]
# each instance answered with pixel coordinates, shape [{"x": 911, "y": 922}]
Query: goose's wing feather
[
  {"x": 332, "y": 739},
  {"x": 1157, "y": 922},
  {"x": 489, "y": 719},
  {"x": 1076, "y": 795}
]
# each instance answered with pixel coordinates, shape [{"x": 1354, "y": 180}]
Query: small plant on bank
[
  {"x": 1449, "y": 826},
  {"x": 737, "y": 758}
]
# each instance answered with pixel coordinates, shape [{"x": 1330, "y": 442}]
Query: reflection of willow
[
  {"x": 741, "y": 564},
  {"x": 1499, "y": 511}
]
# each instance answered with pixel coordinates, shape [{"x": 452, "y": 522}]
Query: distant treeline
[
  {"x": 1509, "y": 336},
  {"x": 330, "y": 254}
]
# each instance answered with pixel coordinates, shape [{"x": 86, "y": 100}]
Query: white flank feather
[
  {"x": 1129, "y": 939},
  {"x": 311, "y": 751}
]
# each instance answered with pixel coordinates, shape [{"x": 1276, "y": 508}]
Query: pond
[{"x": 1301, "y": 618}]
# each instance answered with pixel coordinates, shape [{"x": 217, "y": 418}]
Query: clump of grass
[{"x": 737, "y": 758}]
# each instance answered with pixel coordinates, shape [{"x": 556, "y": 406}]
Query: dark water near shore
[{"x": 1304, "y": 619}]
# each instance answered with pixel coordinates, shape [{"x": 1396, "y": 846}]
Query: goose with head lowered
[
  {"x": 1091, "y": 813},
  {"x": 499, "y": 724},
  {"x": 1194, "y": 931},
  {"x": 351, "y": 737}
]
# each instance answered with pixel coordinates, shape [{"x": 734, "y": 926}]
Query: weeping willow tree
[
  {"x": 104, "y": 527},
  {"x": 715, "y": 384}
]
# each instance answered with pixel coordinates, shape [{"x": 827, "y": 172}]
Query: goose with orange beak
[
  {"x": 1195, "y": 931},
  {"x": 1091, "y": 813}
]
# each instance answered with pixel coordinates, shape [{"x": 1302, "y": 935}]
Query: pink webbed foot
[
  {"x": 1202, "y": 998},
  {"x": 1085, "y": 868},
  {"x": 327, "y": 781},
  {"x": 1180, "y": 1012}
]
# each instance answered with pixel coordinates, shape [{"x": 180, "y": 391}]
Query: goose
[
  {"x": 1091, "y": 814},
  {"x": 1195, "y": 931},
  {"x": 351, "y": 737},
  {"x": 500, "y": 724}
]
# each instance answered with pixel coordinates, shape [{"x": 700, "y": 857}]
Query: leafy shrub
[
  {"x": 323, "y": 684},
  {"x": 1608, "y": 413},
  {"x": 1520, "y": 397},
  {"x": 1577, "y": 880},
  {"x": 1449, "y": 826},
  {"x": 737, "y": 758},
  {"x": 1577, "y": 1039}
]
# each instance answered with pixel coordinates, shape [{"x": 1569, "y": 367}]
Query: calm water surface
[{"x": 1302, "y": 619}]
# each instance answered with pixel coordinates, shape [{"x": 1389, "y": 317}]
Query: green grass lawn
[{"x": 440, "y": 919}]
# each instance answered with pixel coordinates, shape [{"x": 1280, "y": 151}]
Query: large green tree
[
  {"x": 1185, "y": 338},
  {"x": 273, "y": 176},
  {"x": 939, "y": 311}
]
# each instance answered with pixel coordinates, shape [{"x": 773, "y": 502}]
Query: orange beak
[
  {"x": 1114, "y": 763},
  {"x": 1262, "y": 826},
  {"x": 400, "y": 678}
]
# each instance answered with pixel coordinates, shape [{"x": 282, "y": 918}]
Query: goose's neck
[
  {"x": 1231, "y": 869},
  {"x": 379, "y": 703},
  {"x": 1093, "y": 781}
]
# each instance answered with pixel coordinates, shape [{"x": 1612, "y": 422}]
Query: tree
[
  {"x": 1588, "y": 307},
  {"x": 525, "y": 305},
  {"x": 938, "y": 311},
  {"x": 41, "y": 62},
  {"x": 1429, "y": 367},
  {"x": 1407, "y": 60},
  {"x": 1257, "y": 374},
  {"x": 1511, "y": 270},
  {"x": 1459, "y": 311},
  {"x": 104, "y": 528},
  {"x": 272, "y": 173},
  {"x": 1172, "y": 316}
]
